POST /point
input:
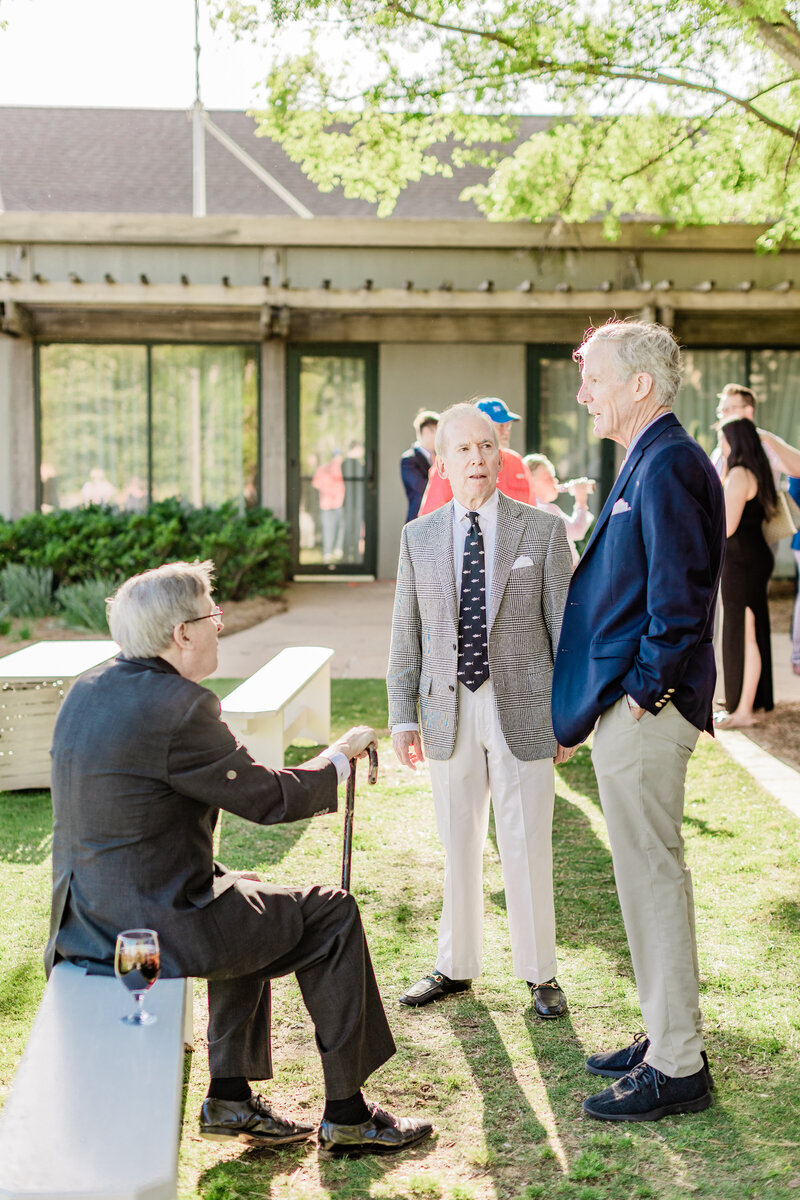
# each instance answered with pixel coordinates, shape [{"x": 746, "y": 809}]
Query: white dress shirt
[{"x": 487, "y": 521}]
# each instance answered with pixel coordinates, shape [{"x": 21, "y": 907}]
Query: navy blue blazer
[
  {"x": 640, "y": 609},
  {"x": 414, "y": 469}
]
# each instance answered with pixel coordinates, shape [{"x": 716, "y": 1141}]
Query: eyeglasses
[{"x": 215, "y": 615}]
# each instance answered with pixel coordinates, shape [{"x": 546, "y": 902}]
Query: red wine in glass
[{"x": 137, "y": 963}]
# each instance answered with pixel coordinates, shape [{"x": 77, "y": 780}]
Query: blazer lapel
[
  {"x": 441, "y": 539},
  {"x": 649, "y": 436},
  {"x": 510, "y": 527}
]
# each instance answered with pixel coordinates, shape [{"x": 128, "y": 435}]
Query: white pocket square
[
  {"x": 524, "y": 561},
  {"x": 620, "y": 507}
]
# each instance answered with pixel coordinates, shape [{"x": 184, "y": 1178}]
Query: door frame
[{"x": 368, "y": 353}]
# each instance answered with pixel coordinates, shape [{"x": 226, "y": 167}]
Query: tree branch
[
  {"x": 783, "y": 40},
  {"x": 651, "y": 162},
  {"x": 597, "y": 71}
]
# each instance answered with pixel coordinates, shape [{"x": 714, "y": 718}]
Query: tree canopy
[{"x": 682, "y": 111}]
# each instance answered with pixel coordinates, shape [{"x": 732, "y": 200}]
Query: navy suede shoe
[
  {"x": 613, "y": 1064},
  {"x": 644, "y": 1094}
]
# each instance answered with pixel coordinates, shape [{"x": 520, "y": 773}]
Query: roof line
[{"x": 256, "y": 169}]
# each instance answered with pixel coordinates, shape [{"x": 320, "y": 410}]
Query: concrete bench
[
  {"x": 288, "y": 698},
  {"x": 33, "y": 684},
  {"x": 95, "y": 1107}
]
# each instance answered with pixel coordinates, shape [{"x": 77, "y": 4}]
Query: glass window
[
  {"x": 567, "y": 437},
  {"x": 96, "y": 437},
  {"x": 705, "y": 373},
  {"x": 205, "y": 423},
  {"x": 94, "y": 424},
  {"x": 775, "y": 379},
  {"x": 332, "y": 423}
]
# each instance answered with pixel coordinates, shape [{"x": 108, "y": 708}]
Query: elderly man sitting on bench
[{"x": 141, "y": 765}]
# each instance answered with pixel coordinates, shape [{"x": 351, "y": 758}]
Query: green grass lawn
[{"x": 503, "y": 1089}]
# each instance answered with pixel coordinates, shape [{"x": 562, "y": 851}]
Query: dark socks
[
  {"x": 230, "y": 1087},
  {"x": 352, "y": 1111}
]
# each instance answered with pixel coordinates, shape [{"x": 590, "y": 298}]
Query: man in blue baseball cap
[{"x": 514, "y": 479}]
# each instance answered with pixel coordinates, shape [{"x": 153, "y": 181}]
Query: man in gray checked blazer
[{"x": 481, "y": 588}]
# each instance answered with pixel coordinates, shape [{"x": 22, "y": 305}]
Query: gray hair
[
  {"x": 454, "y": 413},
  {"x": 146, "y": 608},
  {"x": 641, "y": 348}
]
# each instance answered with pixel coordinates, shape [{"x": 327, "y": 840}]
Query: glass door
[{"x": 332, "y": 459}]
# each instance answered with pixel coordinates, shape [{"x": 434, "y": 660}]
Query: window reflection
[{"x": 96, "y": 435}]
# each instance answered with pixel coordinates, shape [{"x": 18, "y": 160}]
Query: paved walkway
[{"x": 354, "y": 619}]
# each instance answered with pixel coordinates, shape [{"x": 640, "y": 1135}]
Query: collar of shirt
[
  {"x": 641, "y": 432},
  {"x": 422, "y": 450},
  {"x": 487, "y": 520}
]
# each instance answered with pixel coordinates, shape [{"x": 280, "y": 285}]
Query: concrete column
[
  {"x": 18, "y": 464},
  {"x": 273, "y": 426}
]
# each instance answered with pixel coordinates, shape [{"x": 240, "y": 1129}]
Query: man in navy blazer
[
  {"x": 416, "y": 462},
  {"x": 635, "y": 663}
]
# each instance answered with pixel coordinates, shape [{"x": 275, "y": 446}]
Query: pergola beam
[{"x": 188, "y": 297}]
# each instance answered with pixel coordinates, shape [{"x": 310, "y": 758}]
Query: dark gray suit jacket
[{"x": 141, "y": 765}]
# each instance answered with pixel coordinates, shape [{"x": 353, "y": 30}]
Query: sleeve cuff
[
  {"x": 340, "y": 761},
  {"x": 411, "y": 727}
]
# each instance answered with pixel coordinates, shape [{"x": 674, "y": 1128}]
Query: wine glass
[{"x": 137, "y": 963}]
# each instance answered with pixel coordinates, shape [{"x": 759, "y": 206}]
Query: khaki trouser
[{"x": 641, "y": 773}]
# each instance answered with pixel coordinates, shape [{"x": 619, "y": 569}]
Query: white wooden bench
[
  {"x": 94, "y": 1110},
  {"x": 288, "y": 698},
  {"x": 33, "y": 684}
]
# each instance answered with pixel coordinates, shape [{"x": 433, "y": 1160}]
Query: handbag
[{"x": 784, "y": 522}]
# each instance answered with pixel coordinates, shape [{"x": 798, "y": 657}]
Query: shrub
[
  {"x": 83, "y": 605},
  {"x": 250, "y": 549},
  {"x": 27, "y": 591}
]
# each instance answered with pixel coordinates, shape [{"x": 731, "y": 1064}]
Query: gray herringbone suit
[{"x": 503, "y": 743}]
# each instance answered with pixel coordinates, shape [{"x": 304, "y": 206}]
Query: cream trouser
[
  {"x": 522, "y": 795},
  {"x": 641, "y": 773}
]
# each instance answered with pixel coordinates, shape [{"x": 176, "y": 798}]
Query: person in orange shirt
[{"x": 514, "y": 479}]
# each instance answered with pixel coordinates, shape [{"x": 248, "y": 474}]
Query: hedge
[{"x": 250, "y": 550}]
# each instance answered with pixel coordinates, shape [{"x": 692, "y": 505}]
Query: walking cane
[{"x": 349, "y": 810}]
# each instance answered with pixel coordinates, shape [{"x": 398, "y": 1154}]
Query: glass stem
[{"x": 140, "y": 1010}]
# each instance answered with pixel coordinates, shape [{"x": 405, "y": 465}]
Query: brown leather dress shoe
[
  {"x": 433, "y": 987},
  {"x": 382, "y": 1134},
  {"x": 251, "y": 1121},
  {"x": 549, "y": 1001}
]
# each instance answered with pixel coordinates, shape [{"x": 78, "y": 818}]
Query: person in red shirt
[{"x": 514, "y": 479}]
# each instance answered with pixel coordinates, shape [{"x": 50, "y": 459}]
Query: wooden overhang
[{"x": 763, "y": 307}]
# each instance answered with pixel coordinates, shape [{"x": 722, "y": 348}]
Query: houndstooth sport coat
[{"x": 524, "y": 621}]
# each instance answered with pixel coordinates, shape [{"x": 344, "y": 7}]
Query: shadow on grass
[
  {"x": 587, "y": 908},
  {"x": 254, "y": 1173},
  {"x": 507, "y": 1113},
  {"x": 26, "y": 827},
  {"x": 757, "y": 1075}
]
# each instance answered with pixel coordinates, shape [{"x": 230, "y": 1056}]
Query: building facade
[{"x": 280, "y": 359}]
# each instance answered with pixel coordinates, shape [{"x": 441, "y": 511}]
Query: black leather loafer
[
  {"x": 433, "y": 987},
  {"x": 382, "y": 1134},
  {"x": 549, "y": 1001},
  {"x": 613, "y": 1064},
  {"x": 251, "y": 1121},
  {"x": 644, "y": 1094}
]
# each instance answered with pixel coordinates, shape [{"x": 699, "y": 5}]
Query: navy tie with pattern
[{"x": 473, "y": 654}]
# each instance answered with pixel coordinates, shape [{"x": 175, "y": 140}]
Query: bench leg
[{"x": 188, "y": 1016}]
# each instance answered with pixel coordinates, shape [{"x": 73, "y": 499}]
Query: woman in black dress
[{"x": 749, "y": 500}]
